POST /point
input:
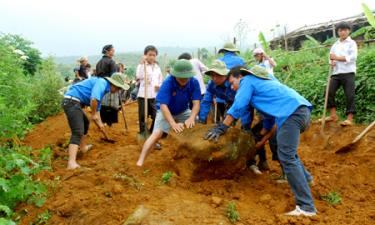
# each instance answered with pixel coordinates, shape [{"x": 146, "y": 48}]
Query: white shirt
[
  {"x": 199, "y": 68},
  {"x": 266, "y": 64},
  {"x": 348, "y": 49},
  {"x": 154, "y": 79}
]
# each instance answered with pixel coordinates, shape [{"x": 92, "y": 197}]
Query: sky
[{"x": 72, "y": 27}]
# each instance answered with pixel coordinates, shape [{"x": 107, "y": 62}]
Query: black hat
[
  {"x": 343, "y": 25},
  {"x": 106, "y": 48}
]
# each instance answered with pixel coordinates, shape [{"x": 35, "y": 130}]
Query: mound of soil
[
  {"x": 111, "y": 187},
  {"x": 198, "y": 159}
]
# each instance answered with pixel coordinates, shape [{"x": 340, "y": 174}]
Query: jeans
[{"x": 288, "y": 140}]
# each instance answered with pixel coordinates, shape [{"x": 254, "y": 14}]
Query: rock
[
  {"x": 138, "y": 216},
  {"x": 197, "y": 159},
  {"x": 216, "y": 201},
  {"x": 266, "y": 198}
]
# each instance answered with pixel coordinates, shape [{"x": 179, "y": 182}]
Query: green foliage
[
  {"x": 306, "y": 71},
  {"x": 369, "y": 15},
  {"x": 25, "y": 100},
  {"x": 33, "y": 56},
  {"x": 43, "y": 218},
  {"x": 232, "y": 213},
  {"x": 332, "y": 198},
  {"x": 315, "y": 42},
  {"x": 166, "y": 177},
  {"x": 264, "y": 43},
  {"x": 17, "y": 168}
]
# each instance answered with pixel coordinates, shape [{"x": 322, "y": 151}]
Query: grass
[
  {"x": 166, "y": 177},
  {"x": 43, "y": 218},
  {"x": 129, "y": 180},
  {"x": 332, "y": 198},
  {"x": 232, "y": 213}
]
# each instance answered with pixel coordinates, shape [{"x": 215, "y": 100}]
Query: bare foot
[
  {"x": 87, "y": 148},
  {"x": 73, "y": 165},
  {"x": 139, "y": 163}
]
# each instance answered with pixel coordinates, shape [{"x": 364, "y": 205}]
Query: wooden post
[
  {"x": 215, "y": 51},
  {"x": 285, "y": 39},
  {"x": 334, "y": 30},
  {"x": 234, "y": 40}
]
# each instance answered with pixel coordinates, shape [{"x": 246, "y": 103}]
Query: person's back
[
  {"x": 199, "y": 68},
  {"x": 232, "y": 60}
]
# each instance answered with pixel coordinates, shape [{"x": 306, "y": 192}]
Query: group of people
[{"x": 182, "y": 99}]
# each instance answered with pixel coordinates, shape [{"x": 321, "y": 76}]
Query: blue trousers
[{"x": 288, "y": 136}]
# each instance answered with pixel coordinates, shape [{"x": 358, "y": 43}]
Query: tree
[{"x": 31, "y": 56}]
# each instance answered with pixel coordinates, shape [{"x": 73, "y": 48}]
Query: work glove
[{"x": 216, "y": 132}]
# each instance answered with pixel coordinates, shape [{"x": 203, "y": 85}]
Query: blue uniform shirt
[
  {"x": 269, "y": 97},
  {"x": 177, "y": 98},
  {"x": 93, "y": 88},
  {"x": 225, "y": 93},
  {"x": 232, "y": 60}
]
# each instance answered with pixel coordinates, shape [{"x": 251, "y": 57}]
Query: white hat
[{"x": 258, "y": 51}]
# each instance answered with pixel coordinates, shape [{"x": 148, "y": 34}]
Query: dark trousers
[
  {"x": 141, "y": 113},
  {"x": 347, "y": 81},
  {"x": 77, "y": 119}
]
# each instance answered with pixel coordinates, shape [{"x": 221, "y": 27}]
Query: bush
[{"x": 306, "y": 71}]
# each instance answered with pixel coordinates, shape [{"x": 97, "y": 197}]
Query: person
[
  {"x": 292, "y": 117},
  {"x": 231, "y": 59},
  {"x": 88, "y": 70},
  {"x": 121, "y": 68},
  {"x": 154, "y": 80},
  {"x": 173, "y": 100},
  {"x": 199, "y": 68},
  {"x": 87, "y": 93},
  {"x": 106, "y": 65},
  {"x": 111, "y": 105},
  {"x": 81, "y": 71},
  {"x": 264, "y": 60},
  {"x": 343, "y": 56},
  {"x": 219, "y": 87}
]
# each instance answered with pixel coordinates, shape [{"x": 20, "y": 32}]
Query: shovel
[
  {"x": 353, "y": 144},
  {"x": 123, "y": 114},
  {"x": 325, "y": 137},
  {"x": 146, "y": 134}
]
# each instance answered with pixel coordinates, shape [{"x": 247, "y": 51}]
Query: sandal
[
  {"x": 328, "y": 119},
  {"x": 346, "y": 123}
]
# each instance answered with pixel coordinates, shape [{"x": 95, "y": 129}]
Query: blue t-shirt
[
  {"x": 269, "y": 97},
  {"x": 177, "y": 98},
  {"x": 232, "y": 60},
  {"x": 93, "y": 88}
]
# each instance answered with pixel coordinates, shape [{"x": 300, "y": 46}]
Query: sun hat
[
  {"x": 83, "y": 58},
  {"x": 118, "y": 80},
  {"x": 258, "y": 51},
  {"x": 230, "y": 47},
  {"x": 183, "y": 69},
  {"x": 217, "y": 67},
  {"x": 257, "y": 71}
]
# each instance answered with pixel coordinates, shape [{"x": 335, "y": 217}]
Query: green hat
[
  {"x": 257, "y": 71},
  {"x": 218, "y": 67},
  {"x": 230, "y": 47},
  {"x": 183, "y": 69},
  {"x": 118, "y": 79}
]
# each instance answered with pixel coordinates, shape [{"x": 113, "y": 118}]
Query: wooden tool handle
[{"x": 364, "y": 132}]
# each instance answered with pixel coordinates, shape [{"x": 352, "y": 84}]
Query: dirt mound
[
  {"x": 111, "y": 186},
  {"x": 198, "y": 159}
]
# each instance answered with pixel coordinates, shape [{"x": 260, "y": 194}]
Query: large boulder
[{"x": 198, "y": 159}]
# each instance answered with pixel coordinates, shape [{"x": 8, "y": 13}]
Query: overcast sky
[{"x": 82, "y": 27}]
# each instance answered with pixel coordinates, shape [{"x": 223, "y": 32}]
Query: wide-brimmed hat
[
  {"x": 230, "y": 47},
  {"x": 118, "y": 80},
  {"x": 183, "y": 69},
  {"x": 217, "y": 67},
  {"x": 258, "y": 51},
  {"x": 83, "y": 58},
  {"x": 257, "y": 71}
]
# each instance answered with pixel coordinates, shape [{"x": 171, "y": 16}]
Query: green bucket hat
[
  {"x": 230, "y": 47},
  {"x": 183, "y": 69},
  {"x": 118, "y": 80},
  {"x": 257, "y": 71},
  {"x": 218, "y": 67}
]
